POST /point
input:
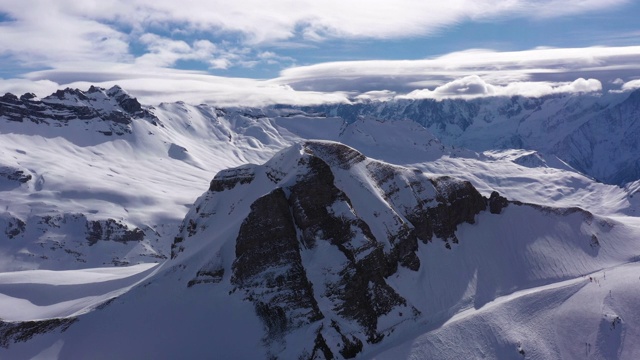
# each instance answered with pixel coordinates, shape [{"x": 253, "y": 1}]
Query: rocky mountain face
[
  {"x": 113, "y": 109},
  {"x": 607, "y": 146},
  {"x": 316, "y": 249}
]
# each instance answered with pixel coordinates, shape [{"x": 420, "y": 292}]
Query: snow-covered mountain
[
  {"x": 77, "y": 159},
  {"x": 311, "y": 248},
  {"x": 322, "y": 252},
  {"x": 596, "y": 134}
]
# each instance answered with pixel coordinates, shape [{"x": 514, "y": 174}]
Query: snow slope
[
  {"x": 44, "y": 294},
  {"x": 573, "y": 319}
]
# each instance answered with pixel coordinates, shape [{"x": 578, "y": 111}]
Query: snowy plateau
[{"x": 494, "y": 228}]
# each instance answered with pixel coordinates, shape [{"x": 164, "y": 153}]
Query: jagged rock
[
  {"x": 114, "y": 107},
  {"x": 497, "y": 203},
  {"x": 14, "y": 174},
  {"x": 14, "y": 227},
  {"x": 71, "y": 238},
  {"x": 228, "y": 179},
  {"x": 268, "y": 267},
  {"x": 13, "y": 332},
  {"x": 111, "y": 230}
]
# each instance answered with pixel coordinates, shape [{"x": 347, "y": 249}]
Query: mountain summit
[{"x": 114, "y": 109}]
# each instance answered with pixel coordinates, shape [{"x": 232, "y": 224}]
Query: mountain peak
[
  {"x": 322, "y": 197},
  {"x": 336, "y": 153},
  {"x": 115, "y": 107}
]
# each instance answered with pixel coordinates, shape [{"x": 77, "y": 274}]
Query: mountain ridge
[{"x": 299, "y": 247}]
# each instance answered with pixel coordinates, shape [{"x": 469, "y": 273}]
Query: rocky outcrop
[
  {"x": 115, "y": 108},
  {"x": 228, "y": 179},
  {"x": 13, "y": 332},
  {"x": 268, "y": 267},
  {"x": 111, "y": 230},
  {"x": 497, "y": 203},
  {"x": 14, "y": 174},
  {"x": 13, "y": 226},
  {"x": 69, "y": 238}
]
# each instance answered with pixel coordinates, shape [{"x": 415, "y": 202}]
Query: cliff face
[{"x": 316, "y": 202}]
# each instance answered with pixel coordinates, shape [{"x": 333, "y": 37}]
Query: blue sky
[{"x": 309, "y": 51}]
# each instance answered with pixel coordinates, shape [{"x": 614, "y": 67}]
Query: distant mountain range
[{"x": 596, "y": 134}]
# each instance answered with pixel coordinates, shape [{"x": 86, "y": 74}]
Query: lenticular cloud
[{"x": 474, "y": 86}]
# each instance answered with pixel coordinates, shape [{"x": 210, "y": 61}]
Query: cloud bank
[
  {"x": 141, "y": 44},
  {"x": 468, "y": 74},
  {"x": 472, "y": 87},
  {"x": 499, "y": 68}
]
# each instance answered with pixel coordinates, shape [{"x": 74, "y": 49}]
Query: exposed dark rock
[
  {"x": 594, "y": 241},
  {"x": 351, "y": 346},
  {"x": 320, "y": 348},
  {"x": 111, "y": 230},
  {"x": 458, "y": 202},
  {"x": 497, "y": 203},
  {"x": 310, "y": 198},
  {"x": 268, "y": 267},
  {"x": 13, "y": 332},
  {"x": 9, "y": 98},
  {"x": 336, "y": 153},
  {"x": 362, "y": 293},
  {"x": 14, "y": 174},
  {"x": 563, "y": 211},
  {"x": 176, "y": 247},
  {"x": 228, "y": 179},
  {"x": 28, "y": 96},
  {"x": 70, "y": 105},
  {"x": 15, "y": 227}
]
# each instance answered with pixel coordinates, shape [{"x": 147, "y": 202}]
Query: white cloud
[
  {"x": 55, "y": 31},
  {"x": 22, "y": 86},
  {"x": 498, "y": 68},
  {"x": 473, "y": 87},
  {"x": 282, "y": 18},
  {"x": 166, "y": 52},
  {"x": 465, "y": 74},
  {"x": 379, "y": 95},
  {"x": 631, "y": 85},
  {"x": 45, "y": 32},
  {"x": 617, "y": 81},
  {"x": 154, "y": 85}
]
